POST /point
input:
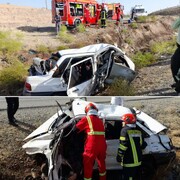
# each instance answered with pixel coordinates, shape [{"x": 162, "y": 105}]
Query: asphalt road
[{"x": 50, "y": 101}]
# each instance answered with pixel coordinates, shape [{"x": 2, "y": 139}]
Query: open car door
[{"x": 80, "y": 78}]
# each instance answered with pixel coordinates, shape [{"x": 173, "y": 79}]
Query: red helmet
[
  {"x": 129, "y": 118},
  {"x": 90, "y": 106}
]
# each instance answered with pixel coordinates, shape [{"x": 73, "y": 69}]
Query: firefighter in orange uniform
[
  {"x": 95, "y": 144},
  {"x": 87, "y": 14},
  {"x": 98, "y": 13},
  {"x": 118, "y": 15}
]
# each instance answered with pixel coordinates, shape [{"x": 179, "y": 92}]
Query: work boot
[
  {"x": 13, "y": 123},
  {"x": 14, "y": 119}
]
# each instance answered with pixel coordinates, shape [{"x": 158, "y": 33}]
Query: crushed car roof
[{"x": 87, "y": 49}]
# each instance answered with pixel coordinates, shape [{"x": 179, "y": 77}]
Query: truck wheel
[{"x": 77, "y": 22}]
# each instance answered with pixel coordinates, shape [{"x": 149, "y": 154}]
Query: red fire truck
[
  {"x": 72, "y": 11},
  {"x": 112, "y": 10}
]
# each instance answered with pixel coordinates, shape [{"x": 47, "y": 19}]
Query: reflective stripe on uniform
[
  {"x": 92, "y": 132},
  {"x": 103, "y": 15},
  {"x": 133, "y": 133},
  {"x": 102, "y": 174},
  {"x": 122, "y": 138},
  {"x": 132, "y": 165},
  {"x": 87, "y": 178},
  {"x": 122, "y": 147}
]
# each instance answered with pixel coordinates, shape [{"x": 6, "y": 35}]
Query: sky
[{"x": 150, "y": 5}]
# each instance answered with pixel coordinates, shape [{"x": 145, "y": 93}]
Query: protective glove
[{"x": 119, "y": 158}]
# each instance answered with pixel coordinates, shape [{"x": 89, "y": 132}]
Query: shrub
[
  {"x": 165, "y": 47},
  {"x": 143, "y": 59},
  {"x": 121, "y": 87},
  {"x": 42, "y": 49},
  {"x": 64, "y": 35},
  {"x": 153, "y": 18},
  {"x": 81, "y": 28},
  {"x": 62, "y": 47},
  {"x": 142, "y": 19},
  {"x": 134, "y": 25},
  {"x": 129, "y": 41},
  {"x": 9, "y": 43},
  {"x": 12, "y": 79}
]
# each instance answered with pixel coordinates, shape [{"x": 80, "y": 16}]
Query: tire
[{"x": 77, "y": 22}]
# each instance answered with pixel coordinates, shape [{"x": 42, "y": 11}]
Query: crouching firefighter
[
  {"x": 130, "y": 148},
  {"x": 95, "y": 144}
]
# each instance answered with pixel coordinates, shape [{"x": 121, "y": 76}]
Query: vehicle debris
[
  {"x": 61, "y": 148},
  {"x": 78, "y": 72}
]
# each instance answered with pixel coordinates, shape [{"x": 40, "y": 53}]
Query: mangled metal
[
  {"x": 78, "y": 72},
  {"x": 62, "y": 147}
]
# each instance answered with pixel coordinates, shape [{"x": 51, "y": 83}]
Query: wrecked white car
[
  {"x": 59, "y": 149},
  {"x": 78, "y": 72}
]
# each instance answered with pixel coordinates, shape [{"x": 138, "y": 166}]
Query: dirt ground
[
  {"x": 37, "y": 29},
  {"x": 15, "y": 164}
]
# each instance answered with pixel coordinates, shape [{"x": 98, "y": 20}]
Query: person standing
[
  {"x": 87, "y": 14},
  {"x": 103, "y": 17},
  {"x": 118, "y": 15},
  {"x": 57, "y": 19},
  {"x": 130, "y": 148},
  {"x": 98, "y": 13},
  {"x": 95, "y": 144},
  {"x": 175, "y": 59},
  {"x": 12, "y": 107}
]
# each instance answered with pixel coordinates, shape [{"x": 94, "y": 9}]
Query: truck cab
[{"x": 138, "y": 10}]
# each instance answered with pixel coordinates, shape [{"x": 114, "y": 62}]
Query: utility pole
[{"x": 46, "y": 3}]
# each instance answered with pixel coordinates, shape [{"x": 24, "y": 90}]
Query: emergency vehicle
[
  {"x": 112, "y": 10},
  {"x": 138, "y": 10},
  {"x": 72, "y": 11}
]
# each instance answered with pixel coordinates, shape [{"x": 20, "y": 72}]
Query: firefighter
[
  {"x": 175, "y": 60},
  {"x": 87, "y": 15},
  {"x": 118, "y": 15},
  {"x": 103, "y": 17},
  {"x": 95, "y": 144},
  {"x": 98, "y": 13},
  {"x": 130, "y": 148}
]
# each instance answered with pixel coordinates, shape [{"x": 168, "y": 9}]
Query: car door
[
  {"x": 80, "y": 78},
  {"x": 105, "y": 64}
]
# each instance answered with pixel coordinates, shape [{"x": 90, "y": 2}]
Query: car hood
[{"x": 44, "y": 128}]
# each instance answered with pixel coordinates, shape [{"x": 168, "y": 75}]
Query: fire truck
[
  {"x": 72, "y": 11},
  {"x": 112, "y": 10}
]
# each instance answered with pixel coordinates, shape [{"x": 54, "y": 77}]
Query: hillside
[{"x": 173, "y": 11}]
